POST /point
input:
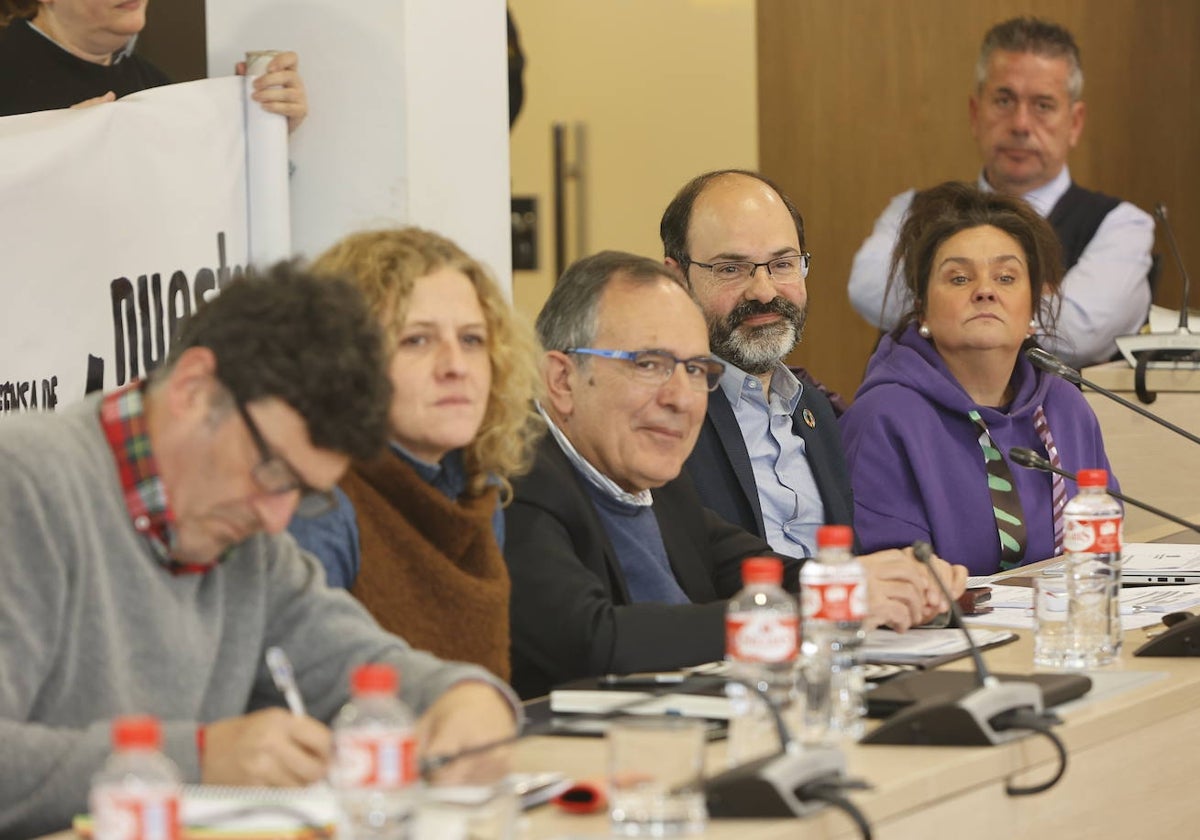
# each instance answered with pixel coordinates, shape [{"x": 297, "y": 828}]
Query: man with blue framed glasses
[{"x": 615, "y": 565}]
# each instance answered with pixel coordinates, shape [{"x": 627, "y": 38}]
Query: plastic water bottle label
[
  {"x": 120, "y": 814},
  {"x": 761, "y": 638},
  {"x": 380, "y": 760},
  {"x": 834, "y": 601},
  {"x": 1093, "y": 535}
]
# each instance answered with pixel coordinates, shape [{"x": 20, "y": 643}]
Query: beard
[{"x": 757, "y": 350}]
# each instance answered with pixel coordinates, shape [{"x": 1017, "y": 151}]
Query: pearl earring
[{"x": 923, "y": 331}]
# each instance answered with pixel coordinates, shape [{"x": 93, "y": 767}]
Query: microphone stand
[
  {"x": 792, "y": 782},
  {"x": 1178, "y": 349},
  {"x": 982, "y": 717},
  {"x": 1056, "y": 367},
  {"x": 1031, "y": 460}
]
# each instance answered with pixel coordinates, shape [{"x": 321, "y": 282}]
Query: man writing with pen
[{"x": 144, "y": 568}]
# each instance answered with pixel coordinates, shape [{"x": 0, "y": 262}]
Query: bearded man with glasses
[
  {"x": 145, "y": 570},
  {"x": 769, "y": 454}
]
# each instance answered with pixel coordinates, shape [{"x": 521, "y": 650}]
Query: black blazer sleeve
[{"x": 570, "y": 610}]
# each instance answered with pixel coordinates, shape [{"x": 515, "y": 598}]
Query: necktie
[
  {"x": 1006, "y": 504},
  {"x": 1057, "y": 485}
]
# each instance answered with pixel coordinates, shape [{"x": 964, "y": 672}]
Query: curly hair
[
  {"x": 384, "y": 265},
  {"x": 939, "y": 213},
  {"x": 309, "y": 342}
]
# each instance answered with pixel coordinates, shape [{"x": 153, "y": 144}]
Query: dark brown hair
[
  {"x": 937, "y": 214},
  {"x": 677, "y": 218}
]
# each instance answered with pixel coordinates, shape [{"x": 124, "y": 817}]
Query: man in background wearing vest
[{"x": 1027, "y": 113}]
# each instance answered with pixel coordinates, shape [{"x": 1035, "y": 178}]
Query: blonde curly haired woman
[{"x": 418, "y": 533}]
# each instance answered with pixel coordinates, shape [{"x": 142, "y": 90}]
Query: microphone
[
  {"x": 1160, "y": 213},
  {"x": 1178, "y": 349},
  {"x": 1054, "y": 366},
  {"x": 994, "y": 713},
  {"x": 1031, "y": 460},
  {"x": 792, "y": 782}
]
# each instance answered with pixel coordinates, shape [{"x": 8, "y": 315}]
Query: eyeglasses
[
  {"x": 782, "y": 270},
  {"x": 275, "y": 476},
  {"x": 655, "y": 367}
]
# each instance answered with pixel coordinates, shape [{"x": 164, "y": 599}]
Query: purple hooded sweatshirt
[{"x": 918, "y": 471}]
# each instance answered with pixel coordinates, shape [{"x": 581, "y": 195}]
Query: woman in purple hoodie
[{"x": 948, "y": 393}]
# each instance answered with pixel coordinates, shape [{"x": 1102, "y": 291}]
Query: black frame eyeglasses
[
  {"x": 275, "y": 476},
  {"x": 789, "y": 268},
  {"x": 656, "y": 367}
]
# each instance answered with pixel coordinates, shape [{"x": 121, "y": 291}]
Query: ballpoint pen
[{"x": 285, "y": 679}]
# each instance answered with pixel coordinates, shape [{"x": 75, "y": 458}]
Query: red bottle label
[
  {"x": 118, "y": 814},
  {"x": 379, "y": 759},
  {"x": 1098, "y": 535},
  {"x": 752, "y": 637},
  {"x": 834, "y": 601}
]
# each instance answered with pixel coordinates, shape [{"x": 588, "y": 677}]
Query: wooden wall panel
[{"x": 862, "y": 99}]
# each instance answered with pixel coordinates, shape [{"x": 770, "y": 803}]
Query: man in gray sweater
[{"x": 144, "y": 568}]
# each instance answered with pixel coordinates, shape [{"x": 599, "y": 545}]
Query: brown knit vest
[{"x": 431, "y": 570}]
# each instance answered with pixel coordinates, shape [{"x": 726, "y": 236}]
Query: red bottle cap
[
  {"x": 374, "y": 678},
  {"x": 136, "y": 732},
  {"x": 835, "y": 536},
  {"x": 762, "y": 570},
  {"x": 1092, "y": 478}
]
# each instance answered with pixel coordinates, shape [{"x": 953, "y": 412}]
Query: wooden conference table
[
  {"x": 1133, "y": 760},
  {"x": 1133, "y": 755}
]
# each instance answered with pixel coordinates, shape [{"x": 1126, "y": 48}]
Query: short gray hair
[
  {"x": 569, "y": 317},
  {"x": 1032, "y": 35}
]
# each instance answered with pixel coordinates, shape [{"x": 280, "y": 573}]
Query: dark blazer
[
  {"x": 570, "y": 610},
  {"x": 720, "y": 463}
]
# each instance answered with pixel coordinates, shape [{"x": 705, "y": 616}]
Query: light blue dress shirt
[{"x": 787, "y": 492}]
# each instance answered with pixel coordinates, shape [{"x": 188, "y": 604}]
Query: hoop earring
[{"x": 923, "y": 331}]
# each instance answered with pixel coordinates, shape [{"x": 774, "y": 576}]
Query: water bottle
[
  {"x": 761, "y": 637},
  {"x": 375, "y": 756},
  {"x": 1092, "y": 534},
  {"x": 833, "y": 592},
  {"x": 135, "y": 796}
]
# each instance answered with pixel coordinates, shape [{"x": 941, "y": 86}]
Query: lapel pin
[{"x": 809, "y": 420}]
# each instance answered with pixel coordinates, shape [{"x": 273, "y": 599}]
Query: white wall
[{"x": 408, "y": 114}]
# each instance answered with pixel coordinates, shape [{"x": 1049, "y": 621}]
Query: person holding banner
[
  {"x": 418, "y": 531},
  {"x": 144, "y": 568},
  {"x": 70, "y": 53}
]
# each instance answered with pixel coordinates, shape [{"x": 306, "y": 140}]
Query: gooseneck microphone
[
  {"x": 791, "y": 782},
  {"x": 1178, "y": 349},
  {"x": 970, "y": 720},
  {"x": 1054, "y": 366},
  {"x": 1031, "y": 460},
  {"x": 1160, "y": 213},
  {"x": 996, "y": 712}
]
